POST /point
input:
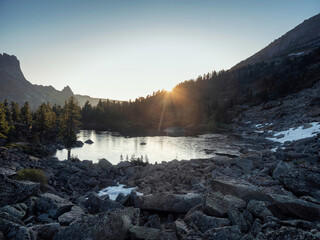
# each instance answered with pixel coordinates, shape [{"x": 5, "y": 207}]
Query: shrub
[{"x": 34, "y": 175}]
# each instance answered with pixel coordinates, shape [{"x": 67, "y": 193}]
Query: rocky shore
[{"x": 268, "y": 190}]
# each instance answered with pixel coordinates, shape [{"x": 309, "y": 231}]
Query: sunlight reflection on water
[{"x": 157, "y": 148}]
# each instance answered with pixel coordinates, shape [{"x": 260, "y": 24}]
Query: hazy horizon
[{"x": 121, "y": 51}]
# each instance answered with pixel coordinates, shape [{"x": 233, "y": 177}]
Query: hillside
[{"x": 299, "y": 40}]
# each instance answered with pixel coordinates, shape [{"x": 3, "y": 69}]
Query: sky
[{"x": 126, "y": 49}]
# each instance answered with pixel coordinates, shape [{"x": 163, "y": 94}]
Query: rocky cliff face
[
  {"x": 304, "y": 37},
  {"x": 15, "y": 87}
]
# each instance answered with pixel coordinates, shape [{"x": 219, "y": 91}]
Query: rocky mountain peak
[
  {"x": 11, "y": 65},
  {"x": 67, "y": 91}
]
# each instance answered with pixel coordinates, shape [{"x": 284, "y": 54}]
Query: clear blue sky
[{"x": 126, "y": 49}]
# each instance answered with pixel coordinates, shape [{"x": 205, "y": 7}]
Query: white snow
[
  {"x": 114, "y": 191},
  {"x": 297, "y": 54},
  {"x": 259, "y": 131},
  {"x": 294, "y": 134}
]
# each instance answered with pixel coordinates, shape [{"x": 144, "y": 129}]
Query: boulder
[
  {"x": 239, "y": 188},
  {"x": 78, "y": 143},
  {"x": 96, "y": 204},
  {"x": 105, "y": 165},
  {"x": 204, "y": 222},
  {"x": 12, "y": 191},
  {"x": 177, "y": 203},
  {"x": 302, "y": 182},
  {"x": 281, "y": 169},
  {"x": 138, "y": 232},
  {"x": 238, "y": 219},
  {"x": 153, "y": 222},
  {"x": 46, "y": 231},
  {"x": 89, "y": 141},
  {"x": 13, "y": 230},
  {"x": 258, "y": 209},
  {"x": 16, "y": 210},
  {"x": 297, "y": 207},
  {"x": 53, "y": 205},
  {"x": 75, "y": 214},
  {"x": 112, "y": 225},
  {"x": 224, "y": 233},
  {"x": 290, "y": 233},
  {"x": 216, "y": 204}
]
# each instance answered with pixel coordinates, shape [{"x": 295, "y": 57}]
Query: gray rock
[
  {"x": 46, "y": 231},
  {"x": 258, "y": 209},
  {"x": 44, "y": 218},
  {"x": 105, "y": 165},
  {"x": 290, "y": 233},
  {"x": 79, "y": 143},
  {"x": 112, "y": 225},
  {"x": 216, "y": 204},
  {"x": 153, "y": 222},
  {"x": 238, "y": 219},
  {"x": 53, "y": 205},
  {"x": 13, "y": 230},
  {"x": 138, "y": 232},
  {"x": 75, "y": 214},
  {"x": 204, "y": 222},
  {"x": 12, "y": 191},
  {"x": 224, "y": 233},
  {"x": 297, "y": 207},
  {"x": 15, "y": 210},
  {"x": 239, "y": 188},
  {"x": 89, "y": 141},
  {"x": 177, "y": 203},
  {"x": 281, "y": 169},
  {"x": 96, "y": 204}
]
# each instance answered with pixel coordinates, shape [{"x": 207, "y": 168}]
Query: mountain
[
  {"x": 82, "y": 99},
  {"x": 300, "y": 40},
  {"x": 15, "y": 87}
]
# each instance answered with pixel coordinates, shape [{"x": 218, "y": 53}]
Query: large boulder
[
  {"x": 13, "y": 230},
  {"x": 112, "y": 225},
  {"x": 204, "y": 222},
  {"x": 139, "y": 232},
  {"x": 239, "y": 188},
  {"x": 53, "y": 205},
  {"x": 17, "y": 210},
  {"x": 302, "y": 182},
  {"x": 177, "y": 203},
  {"x": 289, "y": 233},
  {"x": 224, "y": 233},
  {"x": 96, "y": 204},
  {"x": 281, "y": 169},
  {"x": 46, "y": 231},
  {"x": 105, "y": 165},
  {"x": 217, "y": 204},
  {"x": 258, "y": 209},
  {"x": 12, "y": 191},
  {"x": 297, "y": 207},
  {"x": 75, "y": 214}
]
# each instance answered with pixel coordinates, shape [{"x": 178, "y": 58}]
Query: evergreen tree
[
  {"x": 7, "y": 111},
  {"x": 15, "y": 112},
  {"x": 4, "y": 126},
  {"x": 25, "y": 114},
  {"x": 69, "y": 123}
]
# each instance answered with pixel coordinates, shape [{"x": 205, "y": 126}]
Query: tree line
[{"x": 46, "y": 125}]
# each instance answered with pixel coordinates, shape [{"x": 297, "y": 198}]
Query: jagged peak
[{"x": 67, "y": 90}]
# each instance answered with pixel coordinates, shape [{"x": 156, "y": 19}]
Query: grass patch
[{"x": 34, "y": 175}]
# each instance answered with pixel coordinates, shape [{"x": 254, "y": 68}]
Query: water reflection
[{"x": 157, "y": 148}]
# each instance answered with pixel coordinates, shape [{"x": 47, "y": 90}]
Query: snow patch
[
  {"x": 114, "y": 191},
  {"x": 294, "y": 134}
]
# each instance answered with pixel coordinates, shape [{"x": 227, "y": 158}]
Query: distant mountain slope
[
  {"x": 302, "y": 38},
  {"x": 82, "y": 99},
  {"x": 15, "y": 87}
]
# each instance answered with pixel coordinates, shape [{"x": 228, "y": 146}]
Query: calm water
[{"x": 157, "y": 148}]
